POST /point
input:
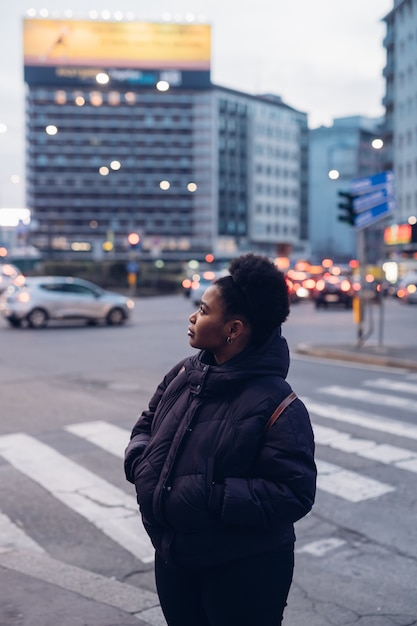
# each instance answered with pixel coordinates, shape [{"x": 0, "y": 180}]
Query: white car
[{"x": 44, "y": 298}]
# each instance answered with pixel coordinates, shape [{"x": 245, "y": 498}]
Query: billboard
[
  {"x": 397, "y": 234},
  {"x": 56, "y": 51}
]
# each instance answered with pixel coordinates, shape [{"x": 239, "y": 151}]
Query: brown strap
[{"x": 280, "y": 408}]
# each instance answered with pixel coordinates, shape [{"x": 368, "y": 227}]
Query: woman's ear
[{"x": 236, "y": 329}]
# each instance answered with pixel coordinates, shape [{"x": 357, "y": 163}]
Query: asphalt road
[{"x": 72, "y": 550}]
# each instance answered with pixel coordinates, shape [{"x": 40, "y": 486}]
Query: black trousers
[{"x": 248, "y": 592}]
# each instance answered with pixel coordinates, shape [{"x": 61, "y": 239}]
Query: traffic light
[
  {"x": 347, "y": 213},
  {"x": 413, "y": 233}
]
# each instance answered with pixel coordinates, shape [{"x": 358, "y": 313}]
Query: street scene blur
[{"x": 144, "y": 177}]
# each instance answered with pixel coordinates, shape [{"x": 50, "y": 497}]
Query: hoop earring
[{"x": 229, "y": 340}]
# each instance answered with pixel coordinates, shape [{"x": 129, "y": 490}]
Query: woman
[{"x": 218, "y": 493}]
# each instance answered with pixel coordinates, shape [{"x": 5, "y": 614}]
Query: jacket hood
[{"x": 269, "y": 359}]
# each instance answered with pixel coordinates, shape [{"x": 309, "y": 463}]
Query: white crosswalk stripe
[
  {"x": 366, "y": 448},
  {"x": 392, "y": 385},
  {"x": 111, "y": 438},
  {"x": 369, "y": 396},
  {"x": 348, "y": 485},
  {"x": 358, "y": 418},
  {"x": 12, "y": 537},
  {"x": 110, "y": 509}
]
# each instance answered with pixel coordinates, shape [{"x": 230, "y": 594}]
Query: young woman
[{"x": 218, "y": 492}]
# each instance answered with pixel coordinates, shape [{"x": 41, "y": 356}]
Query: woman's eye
[{"x": 201, "y": 310}]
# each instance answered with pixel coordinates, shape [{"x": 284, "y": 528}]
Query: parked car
[
  {"x": 10, "y": 275},
  {"x": 334, "y": 290},
  {"x": 44, "y": 298}
]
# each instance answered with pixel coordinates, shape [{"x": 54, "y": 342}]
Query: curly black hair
[{"x": 257, "y": 289}]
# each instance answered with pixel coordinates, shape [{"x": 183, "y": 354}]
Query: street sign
[
  {"x": 371, "y": 183},
  {"x": 374, "y": 198},
  {"x": 374, "y": 214},
  {"x": 369, "y": 200}
]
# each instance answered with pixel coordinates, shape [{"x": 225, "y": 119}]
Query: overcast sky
[{"x": 323, "y": 57}]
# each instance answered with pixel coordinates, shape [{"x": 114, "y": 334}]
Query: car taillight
[
  {"x": 23, "y": 297},
  {"x": 345, "y": 285},
  {"x": 309, "y": 283}
]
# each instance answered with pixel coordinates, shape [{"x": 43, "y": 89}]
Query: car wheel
[
  {"x": 115, "y": 317},
  {"x": 37, "y": 318}
]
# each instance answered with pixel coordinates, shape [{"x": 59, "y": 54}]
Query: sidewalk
[{"x": 404, "y": 357}]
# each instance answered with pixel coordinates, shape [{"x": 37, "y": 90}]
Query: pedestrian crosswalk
[
  {"x": 110, "y": 509},
  {"x": 364, "y": 428}
]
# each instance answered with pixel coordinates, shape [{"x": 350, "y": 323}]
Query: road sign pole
[{"x": 362, "y": 271}]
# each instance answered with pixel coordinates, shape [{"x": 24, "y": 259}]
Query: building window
[
  {"x": 114, "y": 98},
  {"x": 60, "y": 97},
  {"x": 96, "y": 98}
]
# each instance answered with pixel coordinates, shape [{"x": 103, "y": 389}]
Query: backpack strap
[{"x": 280, "y": 408}]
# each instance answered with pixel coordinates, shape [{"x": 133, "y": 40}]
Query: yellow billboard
[{"x": 144, "y": 45}]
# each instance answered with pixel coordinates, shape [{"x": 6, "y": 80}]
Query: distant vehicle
[
  {"x": 407, "y": 290},
  {"x": 334, "y": 291},
  {"x": 198, "y": 288},
  {"x": 44, "y": 298},
  {"x": 10, "y": 275}
]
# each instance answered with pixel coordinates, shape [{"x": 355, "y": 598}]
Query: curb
[{"x": 356, "y": 356}]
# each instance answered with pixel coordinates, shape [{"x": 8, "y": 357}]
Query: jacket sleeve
[
  {"x": 283, "y": 483},
  {"x": 141, "y": 432}
]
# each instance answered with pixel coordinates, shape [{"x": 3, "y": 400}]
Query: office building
[
  {"x": 121, "y": 142},
  {"x": 401, "y": 105},
  {"x": 339, "y": 154}
]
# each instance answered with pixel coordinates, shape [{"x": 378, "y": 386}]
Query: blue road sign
[
  {"x": 371, "y": 183},
  {"x": 374, "y": 214},
  {"x": 374, "y": 198}
]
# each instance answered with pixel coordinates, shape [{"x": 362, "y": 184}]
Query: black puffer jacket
[{"x": 210, "y": 484}]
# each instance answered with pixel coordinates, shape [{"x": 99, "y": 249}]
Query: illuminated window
[
  {"x": 79, "y": 99},
  {"x": 60, "y": 97},
  {"x": 114, "y": 98},
  {"x": 130, "y": 97},
  {"x": 96, "y": 98}
]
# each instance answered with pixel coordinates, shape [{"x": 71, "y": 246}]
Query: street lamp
[
  {"x": 377, "y": 143},
  {"x": 334, "y": 174}
]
